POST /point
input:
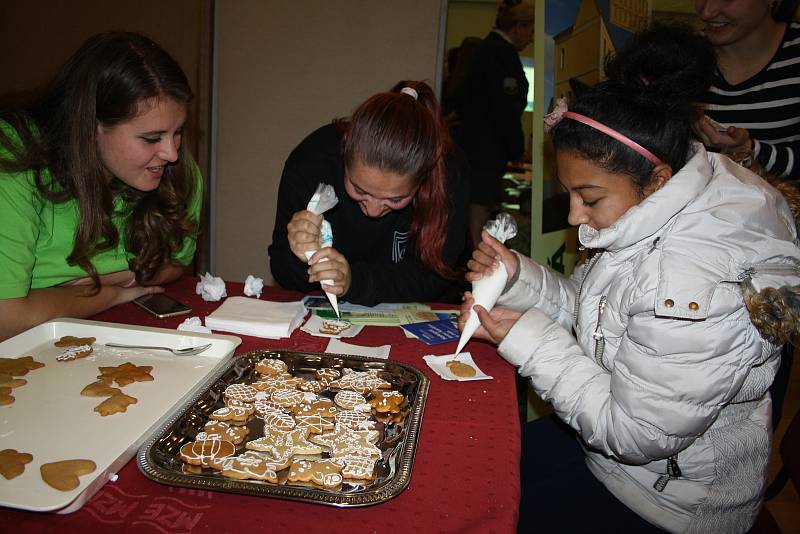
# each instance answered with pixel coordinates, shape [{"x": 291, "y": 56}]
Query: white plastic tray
[{"x": 52, "y": 421}]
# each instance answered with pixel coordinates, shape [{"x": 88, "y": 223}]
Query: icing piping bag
[
  {"x": 323, "y": 199},
  {"x": 488, "y": 289}
]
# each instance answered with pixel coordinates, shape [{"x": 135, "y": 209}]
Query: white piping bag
[
  {"x": 323, "y": 199},
  {"x": 488, "y": 289}
]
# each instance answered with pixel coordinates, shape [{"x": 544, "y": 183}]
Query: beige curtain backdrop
[{"x": 284, "y": 69}]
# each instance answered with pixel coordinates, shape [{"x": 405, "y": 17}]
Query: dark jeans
[{"x": 560, "y": 494}]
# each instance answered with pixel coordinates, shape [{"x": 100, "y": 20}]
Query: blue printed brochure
[{"x": 434, "y": 332}]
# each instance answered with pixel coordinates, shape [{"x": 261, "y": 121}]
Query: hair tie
[
  {"x": 560, "y": 112},
  {"x": 410, "y": 92}
]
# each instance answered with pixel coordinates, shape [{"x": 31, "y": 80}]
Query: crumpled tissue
[
  {"x": 488, "y": 289},
  {"x": 211, "y": 288},
  {"x": 323, "y": 199},
  {"x": 253, "y": 286},
  {"x": 194, "y": 324}
]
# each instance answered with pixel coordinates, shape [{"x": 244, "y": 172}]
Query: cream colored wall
[{"x": 284, "y": 69}]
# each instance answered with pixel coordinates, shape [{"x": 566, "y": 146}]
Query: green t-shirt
[{"x": 36, "y": 236}]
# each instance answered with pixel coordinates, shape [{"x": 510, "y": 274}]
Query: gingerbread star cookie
[
  {"x": 126, "y": 373},
  {"x": 344, "y": 441}
]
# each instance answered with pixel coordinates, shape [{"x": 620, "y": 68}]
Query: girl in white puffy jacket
[{"x": 648, "y": 353}]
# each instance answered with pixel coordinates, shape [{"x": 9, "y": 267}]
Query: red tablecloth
[{"x": 465, "y": 476}]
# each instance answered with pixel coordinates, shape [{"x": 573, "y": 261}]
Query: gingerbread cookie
[
  {"x": 313, "y": 386},
  {"x": 355, "y": 420},
  {"x": 232, "y": 414},
  {"x": 5, "y": 396},
  {"x": 74, "y": 352},
  {"x": 12, "y": 463},
  {"x": 358, "y": 468},
  {"x": 241, "y": 392},
  {"x": 387, "y": 401},
  {"x": 18, "y": 366},
  {"x": 323, "y": 473},
  {"x": 326, "y": 375},
  {"x": 287, "y": 397},
  {"x": 249, "y": 467},
  {"x": 63, "y": 475},
  {"x": 346, "y": 442},
  {"x": 282, "y": 445},
  {"x": 72, "y": 341},
  {"x": 278, "y": 420},
  {"x": 205, "y": 453},
  {"x": 461, "y": 369},
  {"x": 360, "y": 381},
  {"x": 126, "y": 373},
  {"x": 271, "y": 367},
  {"x": 8, "y": 381},
  {"x": 348, "y": 399},
  {"x": 115, "y": 404},
  {"x": 334, "y": 327},
  {"x": 315, "y": 423},
  {"x": 99, "y": 389},
  {"x": 322, "y": 406},
  {"x": 221, "y": 430}
]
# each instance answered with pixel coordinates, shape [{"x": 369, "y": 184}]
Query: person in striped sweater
[{"x": 752, "y": 111}]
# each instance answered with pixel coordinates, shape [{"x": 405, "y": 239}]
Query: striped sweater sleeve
[{"x": 768, "y": 106}]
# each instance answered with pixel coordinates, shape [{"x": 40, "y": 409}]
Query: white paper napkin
[
  {"x": 340, "y": 347},
  {"x": 211, "y": 288},
  {"x": 194, "y": 324},
  {"x": 251, "y": 317},
  {"x": 253, "y": 286},
  {"x": 440, "y": 367}
]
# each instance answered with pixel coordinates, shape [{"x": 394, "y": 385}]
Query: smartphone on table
[{"x": 161, "y": 305}]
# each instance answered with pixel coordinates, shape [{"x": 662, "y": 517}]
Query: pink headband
[{"x": 560, "y": 112}]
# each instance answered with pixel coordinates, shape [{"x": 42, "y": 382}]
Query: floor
[{"x": 785, "y": 507}]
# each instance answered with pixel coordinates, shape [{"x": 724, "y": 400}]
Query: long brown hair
[
  {"x": 109, "y": 80},
  {"x": 402, "y": 134}
]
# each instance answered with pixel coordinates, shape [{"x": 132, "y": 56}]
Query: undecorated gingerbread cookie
[
  {"x": 12, "y": 463},
  {"x": 63, "y": 475}
]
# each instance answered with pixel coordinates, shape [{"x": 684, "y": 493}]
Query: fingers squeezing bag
[
  {"x": 324, "y": 198},
  {"x": 487, "y": 290}
]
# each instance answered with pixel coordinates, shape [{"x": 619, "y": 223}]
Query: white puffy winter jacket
[{"x": 648, "y": 350}]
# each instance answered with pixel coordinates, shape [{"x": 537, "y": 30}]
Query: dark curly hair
[
  {"x": 649, "y": 96},
  {"x": 107, "y": 81}
]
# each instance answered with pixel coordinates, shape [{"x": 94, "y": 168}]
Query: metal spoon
[{"x": 188, "y": 351}]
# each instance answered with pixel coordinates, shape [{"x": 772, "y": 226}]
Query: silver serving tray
[{"x": 158, "y": 457}]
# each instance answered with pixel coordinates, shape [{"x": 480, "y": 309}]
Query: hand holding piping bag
[
  {"x": 487, "y": 290},
  {"x": 323, "y": 199}
]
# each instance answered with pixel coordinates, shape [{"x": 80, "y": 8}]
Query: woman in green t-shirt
[{"x": 99, "y": 200}]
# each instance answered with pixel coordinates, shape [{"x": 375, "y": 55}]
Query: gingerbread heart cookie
[
  {"x": 63, "y": 475},
  {"x": 12, "y": 463}
]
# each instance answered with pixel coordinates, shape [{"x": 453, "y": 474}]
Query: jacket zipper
[
  {"x": 673, "y": 472},
  {"x": 576, "y": 310},
  {"x": 599, "y": 338}
]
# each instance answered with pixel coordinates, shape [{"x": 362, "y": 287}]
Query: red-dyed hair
[{"x": 397, "y": 133}]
